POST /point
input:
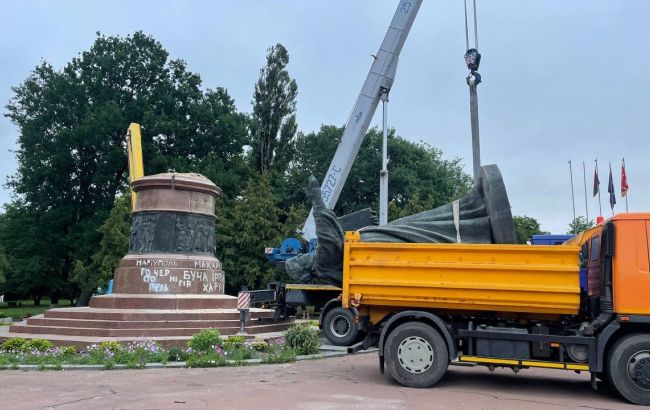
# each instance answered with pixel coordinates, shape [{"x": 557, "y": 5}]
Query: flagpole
[
  {"x": 626, "y": 209},
  {"x": 584, "y": 179},
  {"x": 600, "y": 203},
  {"x": 610, "y": 188},
  {"x": 573, "y": 200}
]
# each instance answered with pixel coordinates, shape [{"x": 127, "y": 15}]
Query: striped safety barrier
[{"x": 243, "y": 301}]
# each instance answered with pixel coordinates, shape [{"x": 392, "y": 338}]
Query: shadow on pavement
[
  {"x": 526, "y": 383},
  {"x": 550, "y": 386}
]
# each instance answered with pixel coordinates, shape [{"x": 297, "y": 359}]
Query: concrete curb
[{"x": 325, "y": 354}]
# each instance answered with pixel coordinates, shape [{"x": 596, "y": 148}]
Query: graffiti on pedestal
[{"x": 165, "y": 276}]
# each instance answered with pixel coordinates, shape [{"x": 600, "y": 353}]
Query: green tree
[
  {"x": 294, "y": 219},
  {"x": 579, "y": 224},
  {"x": 273, "y": 123},
  {"x": 526, "y": 227},
  {"x": 113, "y": 246},
  {"x": 244, "y": 230},
  {"x": 415, "y": 168},
  {"x": 71, "y": 149},
  {"x": 210, "y": 141},
  {"x": 4, "y": 265},
  {"x": 416, "y": 204},
  {"x": 34, "y": 264}
]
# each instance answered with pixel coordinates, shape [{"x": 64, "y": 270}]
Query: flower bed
[{"x": 205, "y": 349}]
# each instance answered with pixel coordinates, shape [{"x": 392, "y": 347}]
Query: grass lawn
[{"x": 27, "y": 308}]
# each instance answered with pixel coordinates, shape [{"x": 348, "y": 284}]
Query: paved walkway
[{"x": 348, "y": 382}]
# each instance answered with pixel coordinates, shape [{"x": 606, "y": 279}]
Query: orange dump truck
[{"x": 518, "y": 306}]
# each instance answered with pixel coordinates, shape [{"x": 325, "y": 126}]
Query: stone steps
[
  {"x": 152, "y": 314},
  {"x": 178, "y": 302},
  {"x": 168, "y": 319},
  {"x": 23, "y": 327},
  {"x": 139, "y": 324}
]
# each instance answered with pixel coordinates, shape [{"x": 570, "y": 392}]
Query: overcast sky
[{"x": 561, "y": 80}]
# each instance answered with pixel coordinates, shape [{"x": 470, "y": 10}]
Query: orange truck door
[{"x": 631, "y": 268}]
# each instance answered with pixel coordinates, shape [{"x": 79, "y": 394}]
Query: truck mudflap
[{"x": 416, "y": 315}]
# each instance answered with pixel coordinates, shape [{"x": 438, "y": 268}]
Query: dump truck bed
[{"x": 475, "y": 277}]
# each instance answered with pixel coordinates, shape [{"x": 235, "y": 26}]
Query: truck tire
[
  {"x": 628, "y": 367},
  {"x": 340, "y": 327},
  {"x": 416, "y": 355}
]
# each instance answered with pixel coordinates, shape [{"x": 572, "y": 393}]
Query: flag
[
  {"x": 610, "y": 189},
  {"x": 624, "y": 185},
  {"x": 596, "y": 181}
]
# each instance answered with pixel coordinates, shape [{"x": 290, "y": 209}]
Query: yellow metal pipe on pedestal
[{"x": 134, "y": 148}]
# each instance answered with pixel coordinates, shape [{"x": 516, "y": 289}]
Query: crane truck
[
  {"x": 519, "y": 306},
  {"x": 375, "y": 88}
]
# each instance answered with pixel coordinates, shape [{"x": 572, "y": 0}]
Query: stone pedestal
[
  {"x": 172, "y": 243},
  {"x": 169, "y": 286},
  {"x": 169, "y": 274}
]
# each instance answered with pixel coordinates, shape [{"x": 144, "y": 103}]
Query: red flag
[{"x": 624, "y": 185}]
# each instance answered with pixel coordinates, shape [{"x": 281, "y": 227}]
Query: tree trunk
[
  {"x": 37, "y": 300},
  {"x": 84, "y": 298},
  {"x": 54, "y": 298}
]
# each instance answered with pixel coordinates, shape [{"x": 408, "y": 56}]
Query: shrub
[
  {"x": 67, "y": 350},
  {"x": 39, "y": 345},
  {"x": 205, "y": 341},
  {"x": 303, "y": 339},
  {"x": 15, "y": 344},
  {"x": 240, "y": 353},
  {"x": 260, "y": 346},
  {"x": 175, "y": 354},
  {"x": 234, "y": 342},
  {"x": 112, "y": 346}
]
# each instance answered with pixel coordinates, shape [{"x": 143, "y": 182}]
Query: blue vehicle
[
  {"x": 553, "y": 239},
  {"x": 550, "y": 239}
]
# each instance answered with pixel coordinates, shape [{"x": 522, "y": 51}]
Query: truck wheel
[
  {"x": 340, "y": 327},
  {"x": 416, "y": 355},
  {"x": 629, "y": 368}
]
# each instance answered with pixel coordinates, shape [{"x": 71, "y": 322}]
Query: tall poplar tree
[{"x": 273, "y": 123}]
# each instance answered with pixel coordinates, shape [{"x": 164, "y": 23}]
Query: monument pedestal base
[
  {"x": 168, "y": 287},
  {"x": 170, "y": 320}
]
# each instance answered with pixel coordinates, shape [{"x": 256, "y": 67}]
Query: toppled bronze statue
[{"x": 481, "y": 216}]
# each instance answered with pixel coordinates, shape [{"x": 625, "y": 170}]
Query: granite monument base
[{"x": 170, "y": 320}]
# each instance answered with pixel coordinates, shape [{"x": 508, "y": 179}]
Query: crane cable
[
  {"x": 472, "y": 56},
  {"x": 473, "y": 79},
  {"x": 467, "y": 29}
]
